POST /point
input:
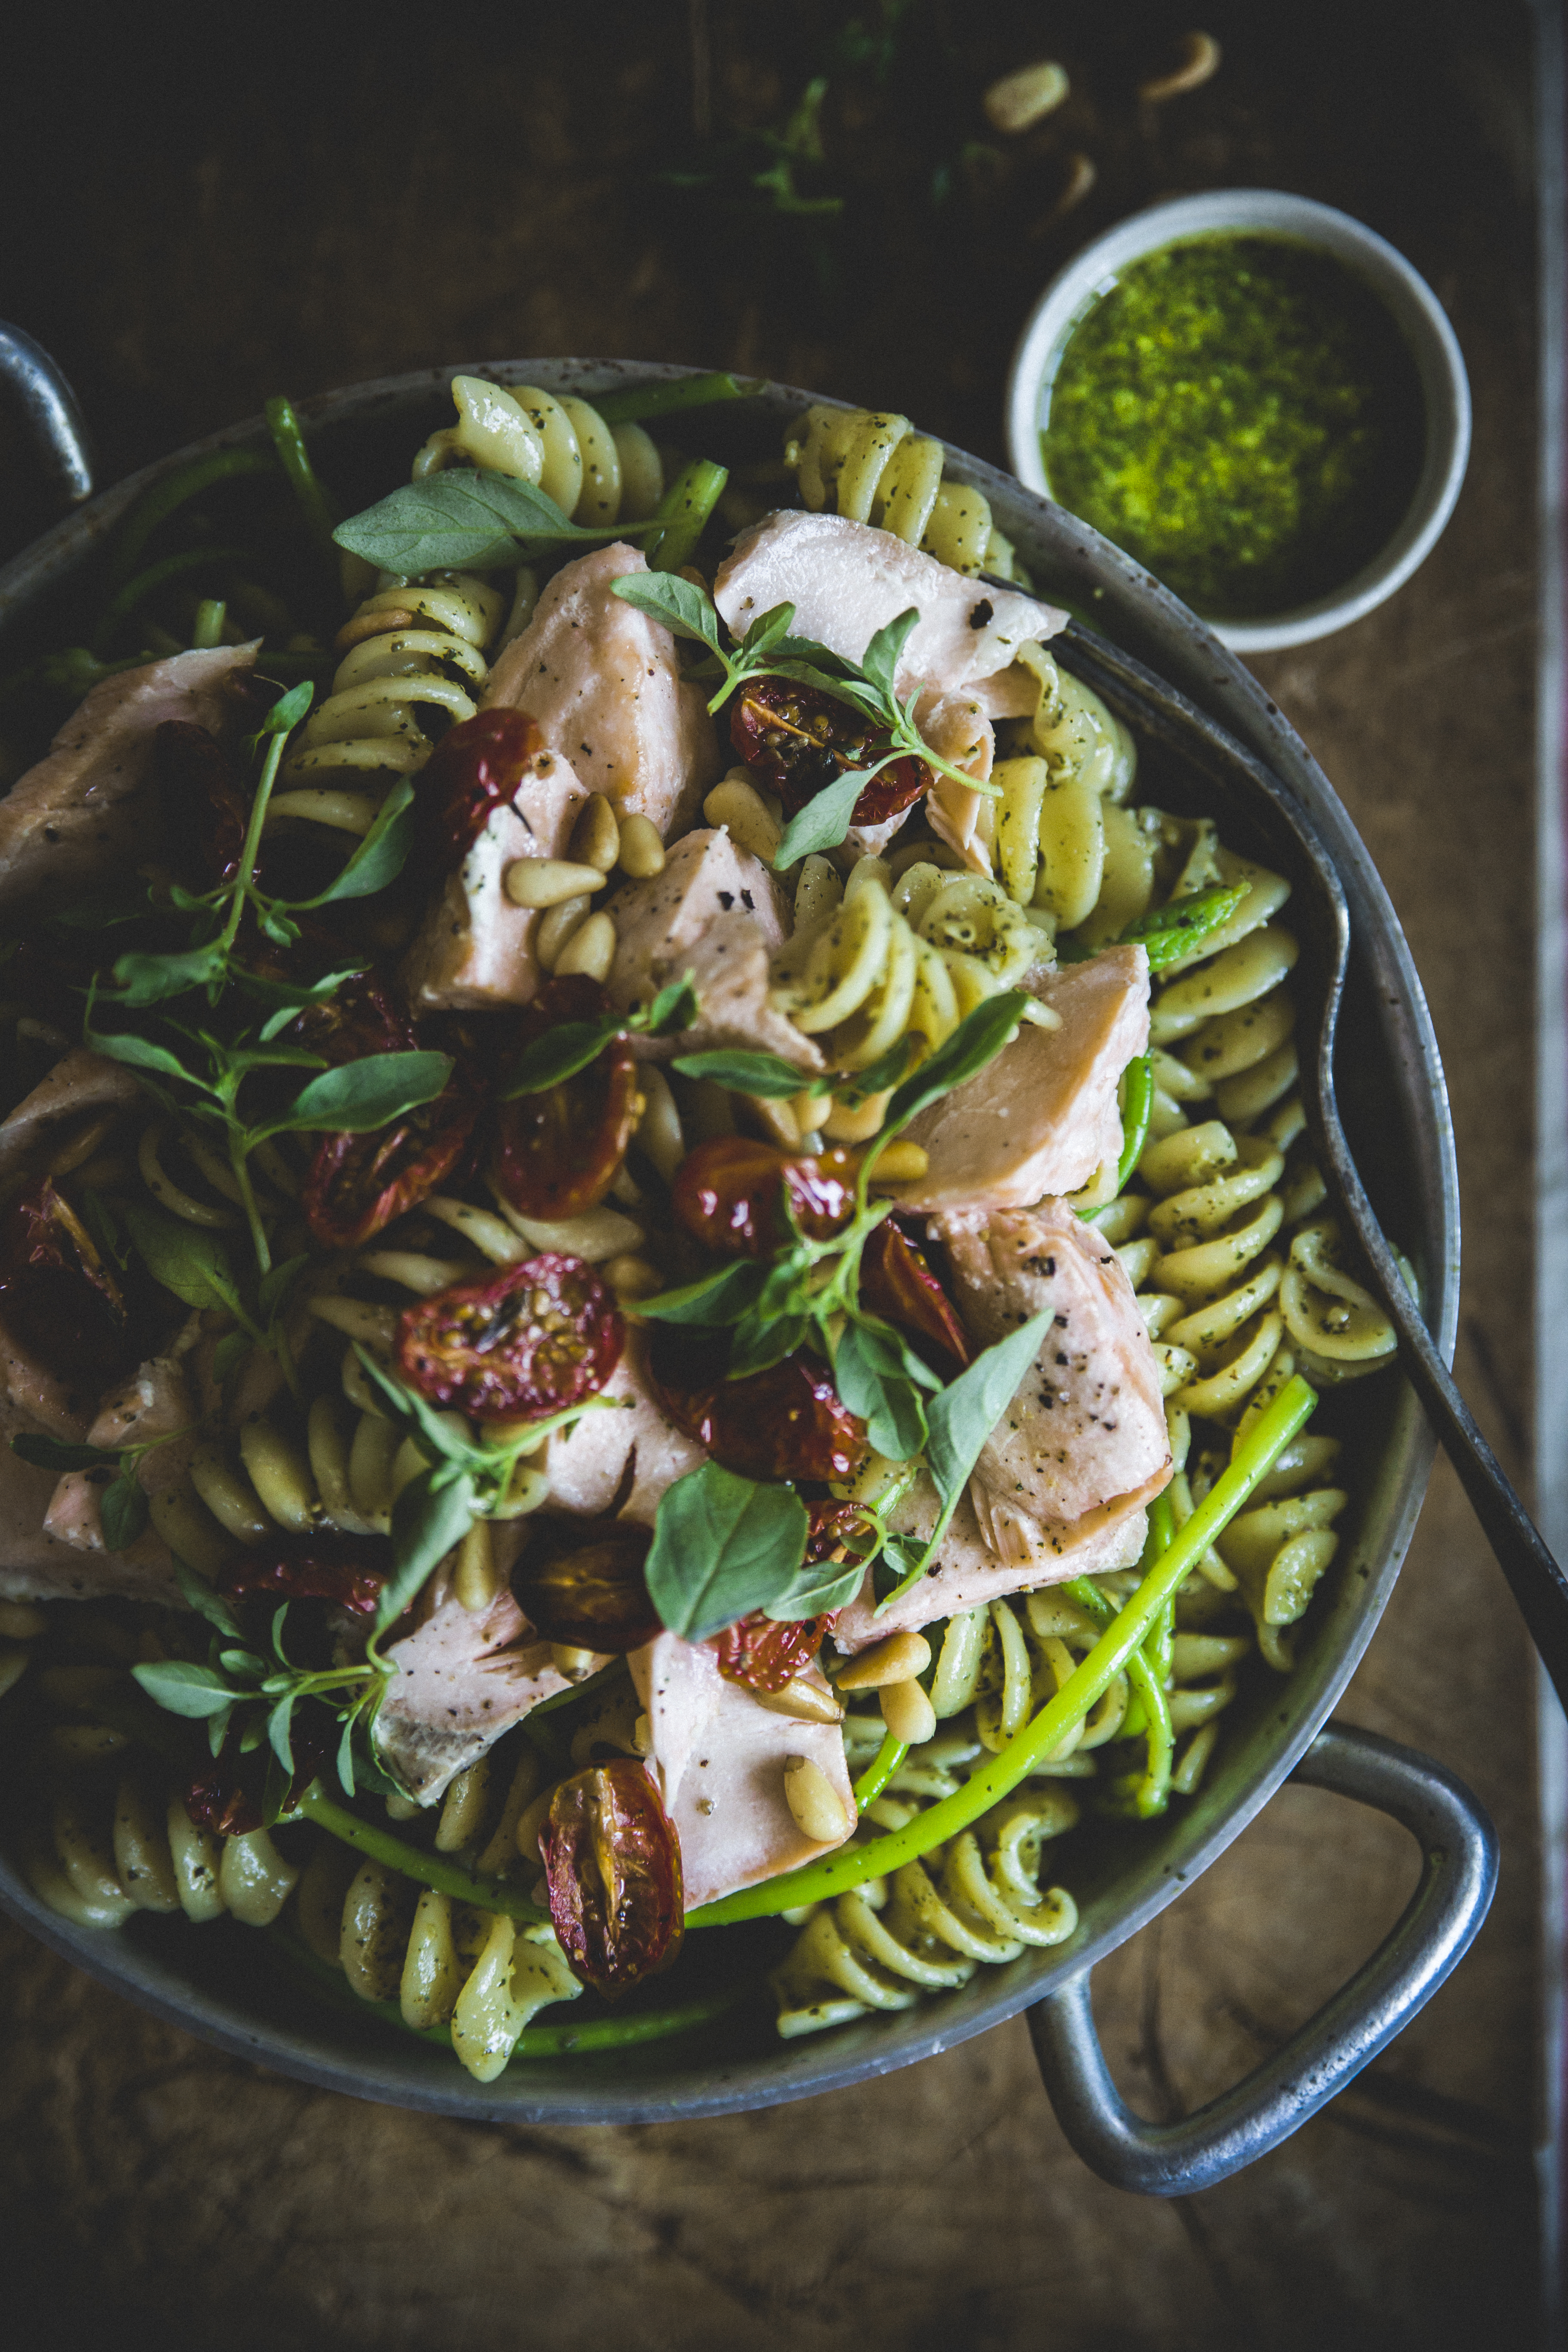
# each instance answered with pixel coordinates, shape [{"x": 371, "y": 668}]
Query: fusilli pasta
[{"x": 875, "y": 468}]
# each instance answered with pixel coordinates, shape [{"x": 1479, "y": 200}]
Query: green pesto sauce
[{"x": 1241, "y": 416}]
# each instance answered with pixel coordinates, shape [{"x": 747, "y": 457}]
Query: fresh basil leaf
[
  {"x": 718, "y": 1299},
  {"x": 277, "y": 1722},
  {"x": 217, "y": 1729},
  {"x": 1173, "y": 931},
  {"x": 880, "y": 660},
  {"x": 379, "y": 858},
  {"x": 767, "y": 633},
  {"x": 201, "y": 1597},
  {"x": 675, "y": 1007},
  {"x": 99, "y": 1218},
  {"x": 359, "y": 1096},
  {"x": 823, "y": 822},
  {"x": 464, "y": 520},
  {"x": 905, "y": 1556},
  {"x": 183, "y": 1689},
  {"x": 137, "y": 1053},
  {"x": 192, "y": 1263},
  {"x": 277, "y": 1285},
  {"x": 346, "y": 1757},
  {"x": 683, "y": 607},
  {"x": 128, "y": 902},
  {"x": 876, "y": 1077},
  {"x": 722, "y": 1545},
  {"x": 835, "y": 1587},
  {"x": 149, "y": 978},
  {"x": 245, "y": 1662},
  {"x": 228, "y": 1353},
  {"x": 559, "y": 1055},
  {"x": 750, "y": 1074},
  {"x": 762, "y": 1340},
  {"x": 421, "y": 1420},
  {"x": 966, "y": 1411},
  {"x": 429, "y": 1518},
  {"x": 122, "y": 1509},
  {"x": 276, "y": 924},
  {"x": 977, "y": 1040},
  {"x": 254, "y": 1733},
  {"x": 287, "y": 996},
  {"x": 56, "y": 1454},
  {"x": 870, "y": 1373},
  {"x": 287, "y": 710}
]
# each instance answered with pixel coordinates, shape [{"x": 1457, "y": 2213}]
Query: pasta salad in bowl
[{"x": 685, "y": 1410}]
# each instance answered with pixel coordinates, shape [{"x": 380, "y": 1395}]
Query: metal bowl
[{"x": 220, "y": 1983}]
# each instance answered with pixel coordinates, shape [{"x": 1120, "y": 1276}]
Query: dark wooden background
[{"x": 335, "y": 197}]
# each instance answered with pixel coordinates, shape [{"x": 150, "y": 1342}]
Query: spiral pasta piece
[
  {"x": 873, "y": 467},
  {"x": 597, "y": 473},
  {"x": 412, "y": 647},
  {"x": 887, "y": 959}
]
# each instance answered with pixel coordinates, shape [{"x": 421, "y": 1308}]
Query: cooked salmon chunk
[
  {"x": 602, "y": 682},
  {"x": 475, "y": 947},
  {"x": 462, "y": 1679},
  {"x": 1044, "y": 1115}
]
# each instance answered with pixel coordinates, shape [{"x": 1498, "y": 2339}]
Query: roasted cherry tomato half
[
  {"x": 57, "y": 1300},
  {"x": 612, "y": 1861},
  {"x": 348, "y": 1570},
  {"x": 359, "y": 1183},
  {"x": 532, "y": 1340},
  {"x": 582, "y": 1584},
  {"x": 474, "y": 769},
  {"x": 839, "y": 1531},
  {"x": 218, "y": 1800},
  {"x": 203, "y": 803},
  {"x": 897, "y": 1283},
  {"x": 797, "y": 738},
  {"x": 786, "y": 1423},
  {"x": 764, "y": 1654},
  {"x": 557, "y": 1152},
  {"x": 727, "y": 1194},
  {"x": 364, "y": 1015}
]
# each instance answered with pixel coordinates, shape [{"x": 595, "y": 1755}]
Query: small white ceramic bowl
[{"x": 1407, "y": 297}]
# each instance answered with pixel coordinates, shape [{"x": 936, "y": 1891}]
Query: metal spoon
[{"x": 1535, "y": 1579}]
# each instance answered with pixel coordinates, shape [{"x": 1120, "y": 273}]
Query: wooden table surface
[{"x": 190, "y": 234}]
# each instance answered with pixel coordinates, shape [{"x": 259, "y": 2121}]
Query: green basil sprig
[
  {"x": 464, "y": 520},
  {"x": 571, "y": 1046},
  {"x": 122, "y": 1505}
]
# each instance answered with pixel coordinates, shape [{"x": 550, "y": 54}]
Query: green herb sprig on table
[{"x": 769, "y": 650}]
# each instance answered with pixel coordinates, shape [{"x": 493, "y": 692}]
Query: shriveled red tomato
[
  {"x": 799, "y": 738},
  {"x": 474, "y": 769},
  {"x": 786, "y": 1423},
  {"x": 897, "y": 1282},
  {"x": 203, "y": 803},
  {"x": 764, "y": 1654},
  {"x": 349, "y": 1570},
  {"x": 613, "y": 1863},
  {"x": 57, "y": 1300},
  {"x": 218, "y": 1800},
  {"x": 359, "y": 1183},
  {"x": 728, "y": 1193},
  {"x": 557, "y": 1152},
  {"x": 584, "y": 1585},
  {"x": 533, "y": 1339},
  {"x": 364, "y": 1015},
  {"x": 838, "y": 1531}
]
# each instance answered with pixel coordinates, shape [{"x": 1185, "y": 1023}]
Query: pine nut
[
  {"x": 551, "y": 938},
  {"x": 901, "y": 1163},
  {"x": 846, "y": 1122},
  {"x": 1022, "y": 98},
  {"x": 658, "y": 1131},
  {"x": 899, "y": 1659},
  {"x": 642, "y": 851},
  {"x": 737, "y": 804},
  {"x": 574, "y": 1663},
  {"x": 591, "y": 948},
  {"x": 632, "y": 1277},
  {"x": 908, "y": 1713},
  {"x": 815, "y": 1804},
  {"x": 803, "y": 1701},
  {"x": 546, "y": 881},
  {"x": 1197, "y": 63},
  {"x": 596, "y": 837},
  {"x": 478, "y": 1580}
]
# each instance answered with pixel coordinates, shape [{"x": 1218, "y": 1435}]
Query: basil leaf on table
[{"x": 723, "y": 1546}]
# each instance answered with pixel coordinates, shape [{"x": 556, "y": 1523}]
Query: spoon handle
[{"x": 1535, "y": 1579}]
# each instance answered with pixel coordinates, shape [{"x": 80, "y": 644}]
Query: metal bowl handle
[
  {"x": 52, "y": 412},
  {"x": 1458, "y": 1873}
]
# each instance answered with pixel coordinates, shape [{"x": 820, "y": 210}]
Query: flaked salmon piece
[
  {"x": 719, "y": 1759},
  {"x": 970, "y": 1572},
  {"x": 603, "y": 683},
  {"x": 90, "y": 804},
  {"x": 475, "y": 947},
  {"x": 463, "y": 1678},
  {"x": 634, "y": 1452},
  {"x": 155, "y": 1401},
  {"x": 717, "y": 913},
  {"x": 1041, "y": 1118},
  {"x": 1086, "y": 1429},
  {"x": 847, "y": 580},
  {"x": 36, "y": 1565}
]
